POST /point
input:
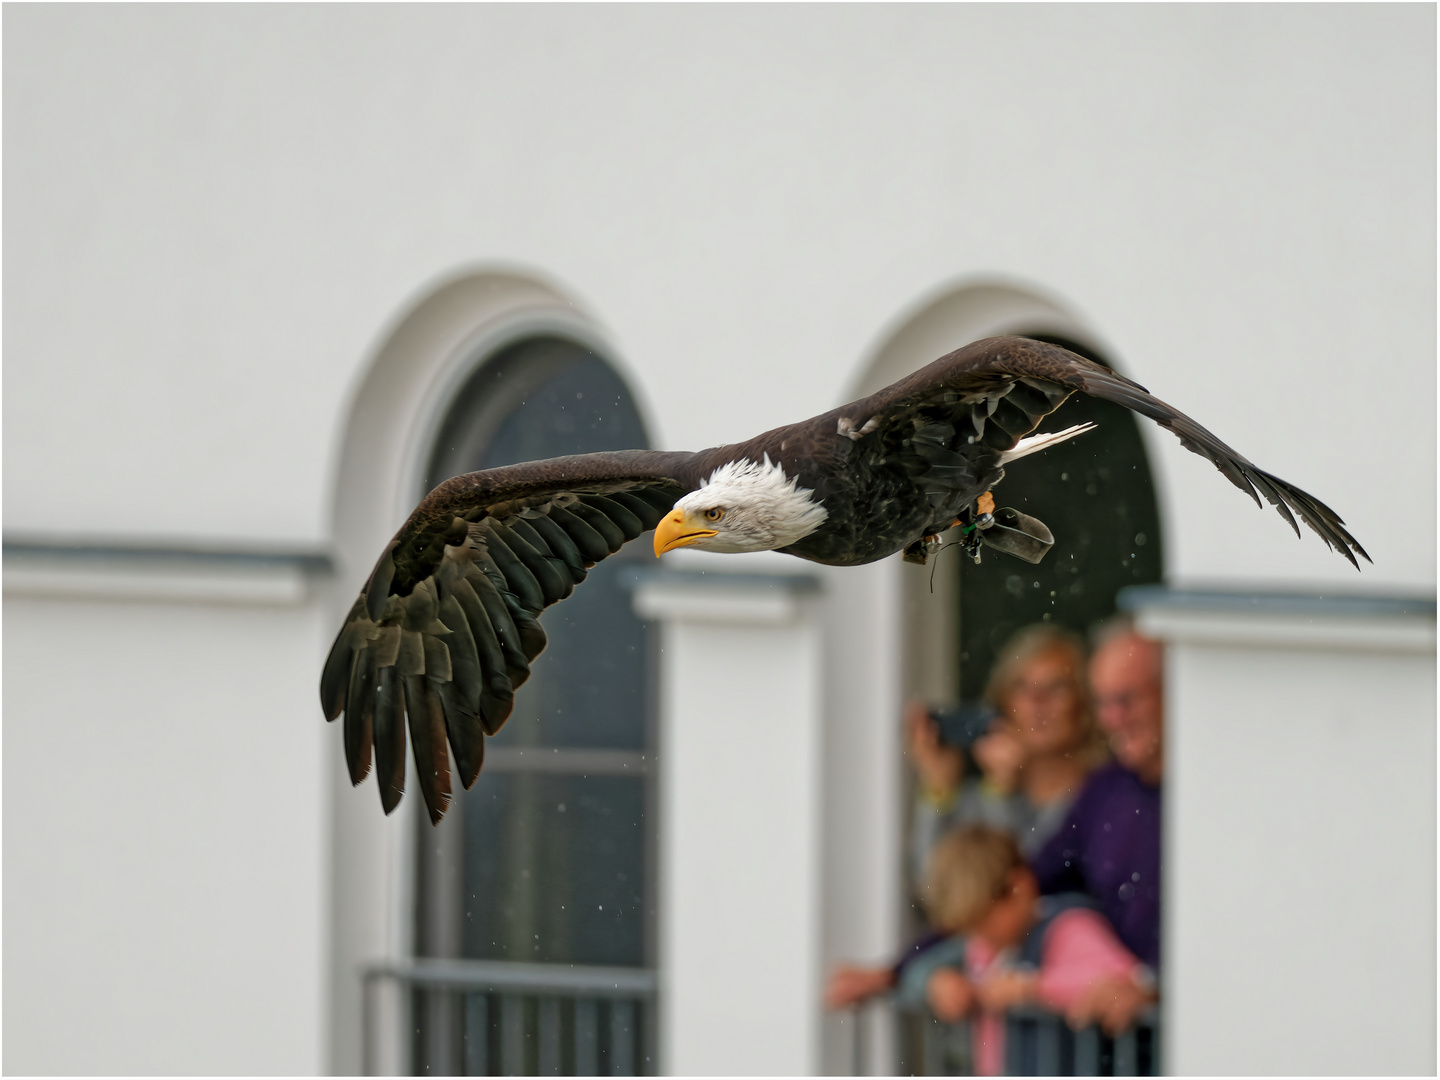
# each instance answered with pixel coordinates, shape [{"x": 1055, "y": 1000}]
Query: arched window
[{"x": 547, "y": 859}]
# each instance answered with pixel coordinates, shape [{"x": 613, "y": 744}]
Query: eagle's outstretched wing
[
  {"x": 445, "y": 629},
  {"x": 1005, "y": 386}
]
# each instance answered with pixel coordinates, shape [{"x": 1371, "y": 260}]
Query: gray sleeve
[
  {"x": 925, "y": 829},
  {"x": 910, "y": 990}
]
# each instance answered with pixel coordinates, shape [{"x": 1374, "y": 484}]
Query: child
[
  {"x": 939, "y": 744},
  {"x": 1018, "y": 949}
]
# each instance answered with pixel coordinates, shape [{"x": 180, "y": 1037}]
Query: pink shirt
[{"x": 1079, "y": 949}]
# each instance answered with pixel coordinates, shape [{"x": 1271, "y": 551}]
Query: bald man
[{"x": 1109, "y": 843}]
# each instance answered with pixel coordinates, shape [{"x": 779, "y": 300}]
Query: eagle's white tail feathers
[{"x": 1034, "y": 443}]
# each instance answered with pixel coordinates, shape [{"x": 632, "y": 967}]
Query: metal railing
[
  {"x": 1037, "y": 1043},
  {"x": 497, "y": 1018}
]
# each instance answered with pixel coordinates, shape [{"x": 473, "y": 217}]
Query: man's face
[{"x": 1129, "y": 704}]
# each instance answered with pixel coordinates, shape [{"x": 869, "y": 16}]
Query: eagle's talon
[{"x": 921, "y": 550}]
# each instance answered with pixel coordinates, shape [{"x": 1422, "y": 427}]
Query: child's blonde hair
[{"x": 969, "y": 869}]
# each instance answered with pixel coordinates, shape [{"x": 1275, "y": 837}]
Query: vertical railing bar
[
  {"x": 587, "y": 1038},
  {"x": 549, "y": 1048},
  {"x": 400, "y": 1054},
  {"x": 1047, "y": 1046},
  {"x": 966, "y": 1029},
  {"x": 944, "y": 1034},
  {"x": 932, "y": 1046},
  {"x": 622, "y": 1037},
  {"x": 1087, "y": 1051},
  {"x": 1014, "y": 1046},
  {"x": 512, "y": 1035},
  {"x": 1125, "y": 1053},
  {"x": 440, "y": 1006},
  {"x": 651, "y": 1020},
  {"x": 477, "y": 1034}
]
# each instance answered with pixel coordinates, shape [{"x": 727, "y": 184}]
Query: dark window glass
[
  {"x": 544, "y": 397},
  {"x": 561, "y": 873}
]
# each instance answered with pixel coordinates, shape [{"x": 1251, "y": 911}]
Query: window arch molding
[
  {"x": 423, "y": 358},
  {"x": 960, "y": 312},
  {"x": 482, "y": 315}
]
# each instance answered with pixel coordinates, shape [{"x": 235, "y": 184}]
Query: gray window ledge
[
  {"x": 502, "y": 975},
  {"x": 1344, "y": 621},
  {"x": 81, "y": 570}
]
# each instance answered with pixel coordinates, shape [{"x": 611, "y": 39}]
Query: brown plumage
[{"x": 446, "y": 627}]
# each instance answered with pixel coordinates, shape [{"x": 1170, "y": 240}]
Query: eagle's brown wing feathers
[
  {"x": 446, "y": 628},
  {"x": 1029, "y": 374}
]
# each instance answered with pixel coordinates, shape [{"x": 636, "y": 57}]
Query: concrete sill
[
  {"x": 1284, "y": 620},
  {"x": 114, "y": 572}
]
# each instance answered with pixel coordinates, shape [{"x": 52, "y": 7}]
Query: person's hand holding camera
[
  {"x": 1000, "y": 756},
  {"x": 938, "y": 766}
]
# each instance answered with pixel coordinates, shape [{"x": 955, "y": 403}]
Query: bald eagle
[{"x": 447, "y": 626}]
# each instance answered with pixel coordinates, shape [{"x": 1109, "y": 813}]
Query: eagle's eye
[{"x": 715, "y": 513}]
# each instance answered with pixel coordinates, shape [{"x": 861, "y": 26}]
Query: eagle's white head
[{"x": 744, "y": 506}]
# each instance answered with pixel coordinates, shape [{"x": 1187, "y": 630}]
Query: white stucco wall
[
  {"x": 217, "y": 215},
  {"x": 164, "y": 839},
  {"x": 1299, "y": 930}
]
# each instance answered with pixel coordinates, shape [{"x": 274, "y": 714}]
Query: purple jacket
[{"x": 1109, "y": 846}]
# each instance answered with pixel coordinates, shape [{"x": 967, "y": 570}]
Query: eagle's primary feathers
[{"x": 448, "y": 625}]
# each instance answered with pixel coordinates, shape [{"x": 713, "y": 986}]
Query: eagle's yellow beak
[{"x": 678, "y": 529}]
